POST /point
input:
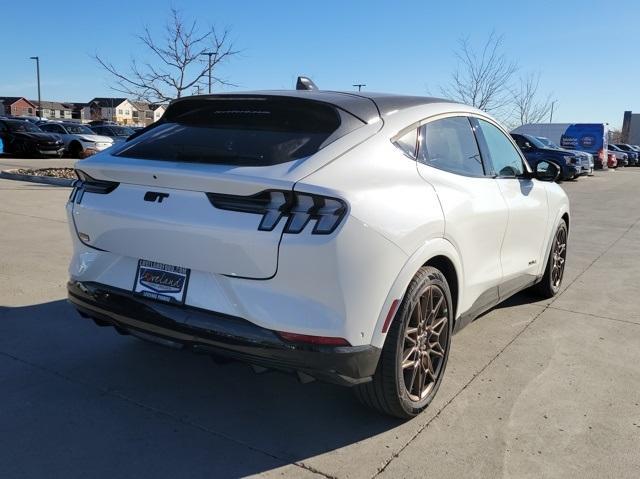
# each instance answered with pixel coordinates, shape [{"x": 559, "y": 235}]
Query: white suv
[{"x": 344, "y": 236}]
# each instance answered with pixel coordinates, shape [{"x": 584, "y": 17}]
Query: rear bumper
[{"x": 216, "y": 333}]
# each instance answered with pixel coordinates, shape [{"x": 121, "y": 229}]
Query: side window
[
  {"x": 505, "y": 158},
  {"x": 450, "y": 145},
  {"x": 408, "y": 142}
]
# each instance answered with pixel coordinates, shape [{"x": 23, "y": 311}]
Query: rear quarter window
[{"x": 241, "y": 131}]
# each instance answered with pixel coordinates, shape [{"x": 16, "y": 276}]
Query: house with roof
[
  {"x": 54, "y": 110},
  {"x": 104, "y": 108},
  {"x": 158, "y": 111},
  {"x": 17, "y": 106},
  {"x": 144, "y": 114}
]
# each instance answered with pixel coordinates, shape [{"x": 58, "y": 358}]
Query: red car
[{"x": 611, "y": 161}]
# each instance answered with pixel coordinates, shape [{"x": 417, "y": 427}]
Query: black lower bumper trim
[{"x": 217, "y": 333}]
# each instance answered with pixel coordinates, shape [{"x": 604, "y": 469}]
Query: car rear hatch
[{"x": 195, "y": 191}]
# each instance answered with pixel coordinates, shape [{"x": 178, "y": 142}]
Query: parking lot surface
[{"x": 532, "y": 389}]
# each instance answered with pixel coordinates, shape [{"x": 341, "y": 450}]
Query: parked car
[
  {"x": 588, "y": 137},
  {"x": 115, "y": 132},
  {"x": 32, "y": 119},
  {"x": 102, "y": 122},
  {"x": 632, "y": 153},
  {"x": 586, "y": 159},
  {"x": 78, "y": 139},
  {"x": 534, "y": 150},
  {"x": 612, "y": 162},
  {"x": 621, "y": 157},
  {"x": 299, "y": 231},
  {"x": 23, "y": 138}
]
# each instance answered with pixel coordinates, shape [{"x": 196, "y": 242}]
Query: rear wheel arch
[
  {"x": 448, "y": 269},
  {"x": 438, "y": 253}
]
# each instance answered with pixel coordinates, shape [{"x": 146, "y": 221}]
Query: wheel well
[
  {"x": 75, "y": 143},
  {"x": 565, "y": 217},
  {"x": 445, "y": 265}
]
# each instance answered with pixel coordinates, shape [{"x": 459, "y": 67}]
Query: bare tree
[
  {"x": 482, "y": 77},
  {"x": 528, "y": 106},
  {"x": 175, "y": 63},
  {"x": 615, "y": 136}
]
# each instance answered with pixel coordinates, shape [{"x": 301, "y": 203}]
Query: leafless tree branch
[
  {"x": 482, "y": 77},
  {"x": 528, "y": 107},
  {"x": 175, "y": 61}
]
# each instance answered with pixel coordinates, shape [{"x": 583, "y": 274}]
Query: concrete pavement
[
  {"x": 532, "y": 388},
  {"x": 7, "y": 163}
]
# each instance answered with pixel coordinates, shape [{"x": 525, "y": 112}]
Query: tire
[
  {"x": 550, "y": 283},
  {"x": 75, "y": 150},
  {"x": 388, "y": 392}
]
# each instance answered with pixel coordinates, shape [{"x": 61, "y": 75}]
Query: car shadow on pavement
[{"x": 271, "y": 418}]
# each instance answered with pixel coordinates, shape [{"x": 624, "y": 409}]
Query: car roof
[{"x": 365, "y": 106}]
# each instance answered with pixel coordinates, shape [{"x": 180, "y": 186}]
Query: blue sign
[{"x": 587, "y": 137}]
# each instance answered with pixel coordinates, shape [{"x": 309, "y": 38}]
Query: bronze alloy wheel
[
  {"x": 425, "y": 341},
  {"x": 415, "y": 352},
  {"x": 550, "y": 282},
  {"x": 558, "y": 257}
]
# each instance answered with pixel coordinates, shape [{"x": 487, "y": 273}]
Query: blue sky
[{"x": 588, "y": 58}]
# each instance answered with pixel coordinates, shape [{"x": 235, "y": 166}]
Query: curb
[{"x": 47, "y": 180}]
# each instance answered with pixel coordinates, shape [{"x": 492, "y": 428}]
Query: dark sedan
[
  {"x": 23, "y": 138},
  {"x": 116, "y": 132}
]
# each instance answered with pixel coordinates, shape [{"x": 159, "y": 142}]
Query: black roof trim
[{"x": 365, "y": 106}]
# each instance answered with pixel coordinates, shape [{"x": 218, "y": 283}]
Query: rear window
[{"x": 241, "y": 131}]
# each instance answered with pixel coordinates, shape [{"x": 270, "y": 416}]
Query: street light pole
[
  {"x": 551, "y": 116},
  {"x": 37, "y": 59},
  {"x": 209, "y": 54},
  {"x": 359, "y": 85}
]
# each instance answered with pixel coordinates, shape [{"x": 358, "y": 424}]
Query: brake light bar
[
  {"x": 91, "y": 185},
  {"x": 298, "y": 208}
]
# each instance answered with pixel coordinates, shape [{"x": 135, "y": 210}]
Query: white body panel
[
  {"x": 476, "y": 220},
  {"x": 400, "y": 215}
]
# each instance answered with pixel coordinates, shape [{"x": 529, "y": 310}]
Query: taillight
[
  {"x": 91, "y": 185},
  {"x": 318, "y": 340},
  {"x": 298, "y": 208}
]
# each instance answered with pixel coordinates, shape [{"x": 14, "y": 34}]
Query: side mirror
[{"x": 547, "y": 171}]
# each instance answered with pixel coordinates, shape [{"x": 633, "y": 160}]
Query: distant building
[
  {"x": 80, "y": 112},
  {"x": 158, "y": 111},
  {"x": 53, "y": 110},
  {"x": 120, "y": 110},
  {"x": 631, "y": 128},
  {"x": 17, "y": 106},
  {"x": 103, "y": 108},
  {"x": 142, "y": 113}
]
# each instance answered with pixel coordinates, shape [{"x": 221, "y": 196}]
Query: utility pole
[
  {"x": 359, "y": 85},
  {"x": 209, "y": 54},
  {"x": 37, "y": 59},
  {"x": 551, "y": 116}
]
